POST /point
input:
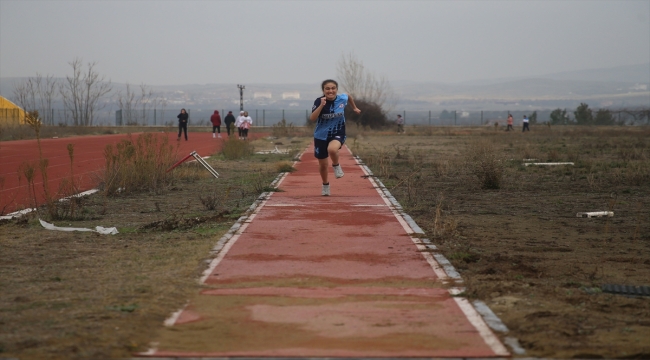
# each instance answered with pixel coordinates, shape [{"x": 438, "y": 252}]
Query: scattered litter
[
  {"x": 16, "y": 214},
  {"x": 626, "y": 290},
  {"x": 81, "y": 194},
  {"x": 595, "y": 214},
  {"x": 99, "y": 229},
  {"x": 549, "y": 163},
  {"x": 274, "y": 151}
]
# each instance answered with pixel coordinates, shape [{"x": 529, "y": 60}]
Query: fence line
[{"x": 298, "y": 117}]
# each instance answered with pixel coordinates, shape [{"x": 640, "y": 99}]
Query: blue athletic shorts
[{"x": 320, "y": 146}]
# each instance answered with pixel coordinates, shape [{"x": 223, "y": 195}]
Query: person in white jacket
[
  {"x": 246, "y": 124},
  {"x": 238, "y": 123}
]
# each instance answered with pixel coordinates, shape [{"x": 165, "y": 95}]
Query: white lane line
[
  {"x": 477, "y": 321},
  {"x": 231, "y": 242},
  {"x": 171, "y": 320}
]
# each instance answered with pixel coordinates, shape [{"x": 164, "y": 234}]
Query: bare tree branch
[
  {"x": 362, "y": 84},
  {"x": 82, "y": 92}
]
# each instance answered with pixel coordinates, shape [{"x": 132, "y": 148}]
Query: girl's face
[
  {"x": 329, "y": 90},
  {"x": 246, "y": 114},
  {"x": 183, "y": 111}
]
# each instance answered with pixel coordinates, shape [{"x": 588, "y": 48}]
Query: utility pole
[{"x": 241, "y": 96}]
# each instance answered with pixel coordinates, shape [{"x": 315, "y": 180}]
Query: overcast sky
[{"x": 199, "y": 42}]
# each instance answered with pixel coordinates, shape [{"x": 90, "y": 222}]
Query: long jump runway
[{"x": 313, "y": 276}]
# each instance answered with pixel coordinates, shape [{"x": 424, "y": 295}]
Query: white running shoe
[
  {"x": 338, "y": 172},
  {"x": 326, "y": 190},
  {"x": 213, "y": 136},
  {"x": 219, "y": 136}
]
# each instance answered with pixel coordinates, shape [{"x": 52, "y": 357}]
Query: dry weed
[{"x": 486, "y": 164}]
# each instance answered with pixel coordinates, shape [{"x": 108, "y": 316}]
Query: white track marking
[{"x": 230, "y": 243}]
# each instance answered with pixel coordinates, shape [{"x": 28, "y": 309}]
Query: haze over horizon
[{"x": 216, "y": 42}]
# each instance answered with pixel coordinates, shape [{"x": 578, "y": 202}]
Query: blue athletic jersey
[{"x": 331, "y": 120}]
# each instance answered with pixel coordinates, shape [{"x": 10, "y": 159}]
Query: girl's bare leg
[
  {"x": 333, "y": 151},
  {"x": 322, "y": 168}
]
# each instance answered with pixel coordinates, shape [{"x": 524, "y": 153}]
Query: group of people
[
  {"x": 525, "y": 123},
  {"x": 243, "y": 123}
]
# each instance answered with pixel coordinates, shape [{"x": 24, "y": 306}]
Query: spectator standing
[
  {"x": 245, "y": 125},
  {"x": 400, "y": 124},
  {"x": 510, "y": 123},
  {"x": 238, "y": 123},
  {"x": 525, "y": 122},
  {"x": 230, "y": 119},
  {"x": 216, "y": 123},
  {"x": 329, "y": 133},
  {"x": 183, "y": 118}
]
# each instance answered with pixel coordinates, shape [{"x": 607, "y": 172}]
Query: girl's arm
[
  {"x": 314, "y": 114},
  {"x": 354, "y": 106}
]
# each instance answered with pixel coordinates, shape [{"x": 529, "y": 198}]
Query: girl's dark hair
[
  {"x": 183, "y": 110},
  {"x": 322, "y": 85}
]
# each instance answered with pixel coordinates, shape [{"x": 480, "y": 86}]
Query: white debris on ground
[
  {"x": 274, "y": 151},
  {"x": 98, "y": 229},
  {"x": 595, "y": 214}
]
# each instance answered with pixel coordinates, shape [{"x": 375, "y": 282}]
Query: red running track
[
  {"x": 311, "y": 276},
  {"x": 88, "y": 162}
]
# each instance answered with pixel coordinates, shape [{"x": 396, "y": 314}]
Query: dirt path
[
  {"x": 337, "y": 276},
  {"x": 88, "y": 161}
]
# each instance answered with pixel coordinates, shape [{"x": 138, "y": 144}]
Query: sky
[{"x": 302, "y": 41}]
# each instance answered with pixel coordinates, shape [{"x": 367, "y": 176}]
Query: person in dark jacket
[
  {"x": 183, "y": 118},
  {"x": 216, "y": 123},
  {"x": 230, "y": 119}
]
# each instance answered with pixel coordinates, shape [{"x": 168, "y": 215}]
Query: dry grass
[
  {"x": 234, "y": 149},
  {"x": 520, "y": 247},
  {"x": 486, "y": 163},
  {"x": 136, "y": 165}
]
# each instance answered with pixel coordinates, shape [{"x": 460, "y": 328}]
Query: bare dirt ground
[
  {"x": 521, "y": 248},
  {"x": 81, "y": 295}
]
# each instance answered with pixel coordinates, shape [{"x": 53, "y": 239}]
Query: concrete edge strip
[
  {"x": 479, "y": 324},
  {"x": 440, "y": 264},
  {"x": 496, "y": 324}
]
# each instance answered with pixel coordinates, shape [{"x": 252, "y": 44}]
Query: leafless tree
[
  {"x": 37, "y": 93},
  {"x": 82, "y": 92},
  {"x": 362, "y": 84},
  {"x": 134, "y": 107}
]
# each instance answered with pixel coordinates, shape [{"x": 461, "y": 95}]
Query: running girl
[{"x": 329, "y": 134}]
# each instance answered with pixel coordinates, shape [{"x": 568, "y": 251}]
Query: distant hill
[
  {"x": 639, "y": 73},
  {"x": 615, "y": 86}
]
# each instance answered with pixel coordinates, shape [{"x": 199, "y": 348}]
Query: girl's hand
[
  {"x": 323, "y": 101},
  {"x": 356, "y": 110}
]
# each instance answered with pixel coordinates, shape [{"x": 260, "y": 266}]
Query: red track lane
[
  {"x": 88, "y": 161},
  {"x": 314, "y": 276}
]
